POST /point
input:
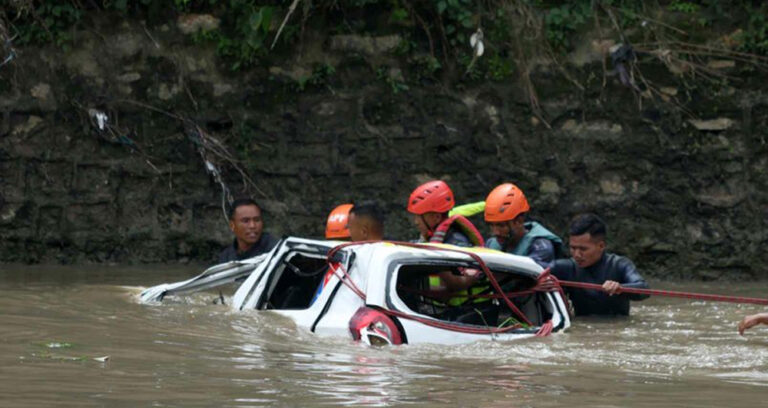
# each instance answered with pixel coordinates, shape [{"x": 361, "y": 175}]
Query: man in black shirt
[
  {"x": 590, "y": 263},
  {"x": 246, "y": 223}
]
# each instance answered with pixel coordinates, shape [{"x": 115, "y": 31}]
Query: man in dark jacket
[
  {"x": 246, "y": 223},
  {"x": 590, "y": 263}
]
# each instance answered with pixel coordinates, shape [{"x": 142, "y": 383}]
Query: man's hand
[
  {"x": 469, "y": 272},
  {"x": 457, "y": 279},
  {"x": 611, "y": 287},
  {"x": 751, "y": 321},
  {"x": 546, "y": 285}
]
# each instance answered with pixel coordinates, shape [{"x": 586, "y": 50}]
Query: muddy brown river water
[{"x": 57, "y": 322}]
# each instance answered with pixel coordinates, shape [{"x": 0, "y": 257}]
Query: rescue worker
[
  {"x": 505, "y": 212},
  {"x": 590, "y": 263},
  {"x": 337, "y": 228},
  {"x": 752, "y": 320},
  {"x": 246, "y": 222},
  {"x": 429, "y": 203},
  {"x": 337, "y": 224},
  {"x": 366, "y": 222},
  {"x": 354, "y": 222}
]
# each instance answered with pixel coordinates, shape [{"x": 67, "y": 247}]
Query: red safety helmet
[
  {"x": 433, "y": 196},
  {"x": 337, "y": 225},
  {"x": 505, "y": 203}
]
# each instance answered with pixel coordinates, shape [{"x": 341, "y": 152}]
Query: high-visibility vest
[
  {"x": 438, "y": 237},
  {"x": 464, "y": 224},
  {"x": 460, "y": 297}
]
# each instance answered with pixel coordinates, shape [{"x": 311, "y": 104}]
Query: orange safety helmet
[
  {"x": 337, "y": 225},
  {"x": 433, "y": 196},
  {"x": 505, "y": 203}
]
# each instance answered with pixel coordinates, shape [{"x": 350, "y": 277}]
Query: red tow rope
[
  {"x": 544, "y": 330},
  {"x": 670, "y": 293}
]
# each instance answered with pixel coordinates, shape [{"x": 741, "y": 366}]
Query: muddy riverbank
[{"x": 680, "y": 176}]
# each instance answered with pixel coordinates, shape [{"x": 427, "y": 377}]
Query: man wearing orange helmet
[
  {"x": 366, "y": 222},
  {"x": 337, "y": 225},
  {"x": 505, "y": 210},
  {"x": 429, "y": 203},
  {"x": 354, "y": 222}
]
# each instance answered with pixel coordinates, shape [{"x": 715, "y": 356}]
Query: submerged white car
[{"x": 386, "y": 292}]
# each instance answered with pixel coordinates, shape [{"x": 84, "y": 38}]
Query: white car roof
[{"x": 371, "y": 256}]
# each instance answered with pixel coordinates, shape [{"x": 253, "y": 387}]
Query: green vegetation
[
  {"x": 435, "y": 33},
  {"x": 320, "y": 75},
  {"x": 393, "y": 78},
  {"x": 250, "y": 25},
  {"x": 564, "y": 21},
  {"x": 684, "y": 6},
  {"x": 458, "y": 19},
  {"x": 754, "y": 38},
  {"x": 49, "y": 22}
]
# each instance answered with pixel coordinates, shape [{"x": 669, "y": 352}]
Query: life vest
[
  {"x": 438, "y": 236},
  {"x": 459, "y": 296},
  {"x": 468, "y": 210},
  {"x": 535, "y": 231},
  {"x": 464, "y": 225}
]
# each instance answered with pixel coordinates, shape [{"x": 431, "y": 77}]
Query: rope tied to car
[
  {"x": 343, "y": 275},
  {"x": 546, "y": 282}
]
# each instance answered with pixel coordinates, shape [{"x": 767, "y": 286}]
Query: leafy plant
[
  {"x": 755, "y": 38},
  {"x": 182, "y": 4},
  {"x": 562, "y": 22},
  {"x": 683, "y": 7},
  {"x": 425, "y": 66},
  {"x": 458, "y": 18},
  {"x": 499, "y": 68},
  {"x": 395, "y": 82},
  {"x": 245, "y": 43},
  {"x": 406, "y": 45},
  {"x": 48, "y": 21},
  {"x": 361, "y": 3},
  {"x": 320, "y": 75},
  {"x": 398, "y": 15}
]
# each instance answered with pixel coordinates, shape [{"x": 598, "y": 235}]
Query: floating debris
[
  {"x": 100, "y": 117},
  {"x": 55, "y": 357},
  {"x": 56, "y": 345}
]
